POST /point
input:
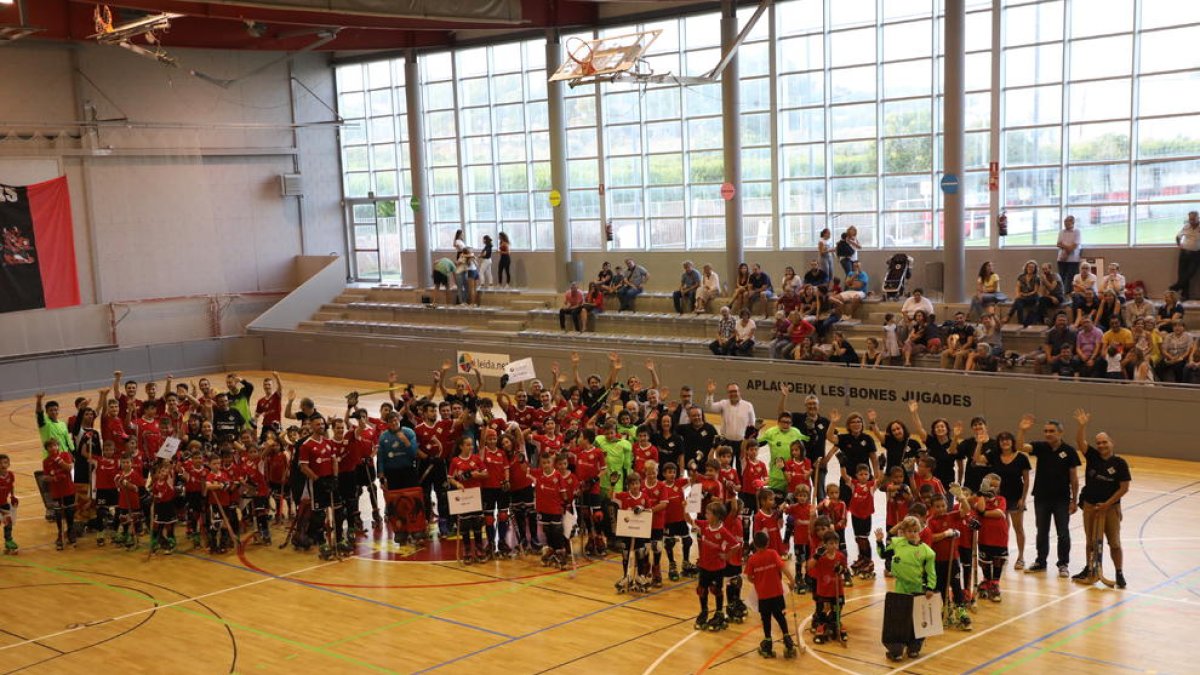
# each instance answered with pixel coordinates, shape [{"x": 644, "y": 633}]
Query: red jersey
[
  {"x": 59, "y": 477},
  {"x": 673, "y": 492},
  {"x": 862, "y": 502},
  {"x": 797, "y": 474},
  {"x": 496, "y": 464},
  {"x": 149, "y": 436},
  {"x": 252, "y": 474},
  {"x": 641, "y": 455},
  {"x": 729, "y": 481},
  {"x": 346, "y": 452},
  {"x": 715, "y": 542},
  {"x": 6, "y": 487},
  {"x": 836, "y": 512},
  {"x": 994, "y": 531},
  {"x": 765, "y": 569},
  {"x": 519, "y": 474},
  {"x": 769, "y": 523},
  {"x": 428, "y": 439},
  {"x": 802, "y": 516},
  {"x": 139, "y": 468},
  {"x": 318, "y": 454},
  {"x": 221, "y": 496},
  {"x": 113, "y": 429},
  {"x": 570, "y": 485},
  {"x": 522, "y": 416},
  {"x": 926, "y": 536},
  {"x": 127, "y": 403},
  {"x": 538, "y": 417},
  {"x": 711, "y": 489},
  {"x": 128, "y": 483},
  {"x": 922, "y": 482},
  {"x": 897, "y": 507},
  {"x": 277, "y": 467},
  {"x": 827, "y": 573},
  {"x": 754, "y": 476},
  {"x": 106, "y": 472},
  {"x": 589, "y": 462},
  {"x": 628, "y": 501},
  {"x": 548, "y": 446},
  {"x": 733, "y": 523},
  {"x": 271, "y": 409},
  {"x": 163, "y": 491},
  {"x": 548, "y": 493},
  {"x": 944, "y": 549},
  {"x": 364, "y": 441},
  {"x": 655, "y": 495},
  {"x": 460, "y": 466},
  {"x": 195, "y": 474}
]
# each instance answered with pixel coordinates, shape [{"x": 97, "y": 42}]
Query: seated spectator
[
  {"x": 1064, "y": 365},
  {"x": 1060, "y": 336},
  {"x": 741, "y": 288},
  {"x": 923, "y": 337},
  {"x": 760, "y": 289},
  {"x": 572, "y": 307},
  {"x": 873, "y": 356},
  {"x": 1138, "y": 309},
  {"x": 789, "y": 291},
  {"x": 1089, "y": 349},
  {"x": 816, "y": 275},
  {"x": 743, "y": 333},
  {"x": 1170, "y": 313},
  {"x": 724, "y": 344},
  {"x": 1177, "y": 348},
  {"x": 807, "y": 351},
  {"x": 828, "y": 312},
  {"x": 810, "y": 301},
  {"x": 914, "y": 302},
  {"x": 605, "y": 280},
  {"x": 1141, "y": 370},
  {"x": 689, "y": 282},
  {"x": 710, "y": 288},
  {"x": 983, "y": 359},
  {"x": 593, "y": 303},
  {"x": 1085, "y": 306},
  {"x": 632, "y": 284},
  {"x": 781, "y": 336},
  {"x": 1110, "y": 306},
  {"x": 1083, "y": 281},
  {"x": 1193, "y": 366},
  {"x": 989, "y": 333},
  {"x": 1025, "y": 298},
  {"x": 799, "y": 329},
  {"x": 961, "y": 338},
  {"x": 842, "y": 351},
  {"x": 1051, "y": 296},
  {"x": 1113, "y": 281},
  {"x": 1117, "y": 336},
  {"x": 1147, "y": 346},
  {"x": 987, "y": 293},
  {"x": 855, "y": 292}
]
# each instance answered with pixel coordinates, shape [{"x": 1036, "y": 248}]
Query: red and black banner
[{"x": 37, "y": 247}]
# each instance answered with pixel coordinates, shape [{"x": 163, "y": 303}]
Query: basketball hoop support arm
[{"x": 715, "y": 74}]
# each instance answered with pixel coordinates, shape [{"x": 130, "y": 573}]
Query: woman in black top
[
  {"x": 668, "y": 442},
  {"x": 852, "y": 448},
  {"x": 940, "y": 445},
  {"x": 485, "y": 263},
  {"x": 604, "y": 278},
  {"x": 1013, "y": 468},
  {"x": 898, "y": 444},
  {"x": 504, "y": 274}
]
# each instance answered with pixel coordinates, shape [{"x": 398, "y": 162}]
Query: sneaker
[
  {"x": 1020, "y": 564},
  {"x": 1063, "y": 572},
  {"x": 1120, "y": 579},
  {"x": 1084, "y": 574},
  {"x": 1037, "y": 566}
]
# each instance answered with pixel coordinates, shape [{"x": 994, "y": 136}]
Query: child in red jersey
[
  {"x": 735, "y": 608},
  {"x": 589, "y": 463},
  {"x": 766, "y": 569},
  {"x": 675, "y": 520},
  {"x": 217, "y": 484},
  {"x": 768, "y": 519},
  {"x": 495, "y": 463},
  {"x": 162, "y": 491},
  {"x": 520, "y": 489},
  {"x": 569, "y": 488},
  {"x": 636, "y": 500},
  {"x": 467, "y": 473},
  {"x": 643, "y": 450},
  {"x": 945, "y": 528},
  {"x": 548, "y": 442},
  {"x": 835, "y": 509},
  {"x": 8, "y": 502},
  {"x": 798, "y": 469},
  {"x": 657, "y": 498},
  {"x": 104, "y": 469},
  {"x": 260, "y": 493},
  {"x": 821, "y": 526},
  {"x": 727, "y": 474},
  {"x": 710, "y": 485},
  {"x": 862, "y": 507},
  {"x": 129, "y": 511},
  {"x": 754, "y": 477},
  {"x": 993, "y": 535},
  {"x": 801, "y": 513},
  {"x": 828, "y": 568},
  {"x": 549, "y": 500},
  {"x": 924, "y": 476},
  {"x": 717, "y": 544},
  {"x": 278, "y": 460},
  {"x": 58, "y": 470}
]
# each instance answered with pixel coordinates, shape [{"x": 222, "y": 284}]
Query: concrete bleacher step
[
  {"x": 506, "y": 325},
  {"x": 310, "y": 326}
]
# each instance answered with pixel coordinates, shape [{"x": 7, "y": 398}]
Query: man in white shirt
[
  {"x": 914, "y": 302},
  {"x": 710, "y": 288},
  {"x": 1188, "y": 241},
  {"x": 737, "y": 414},
  {"x": 1070, "y": 246}
]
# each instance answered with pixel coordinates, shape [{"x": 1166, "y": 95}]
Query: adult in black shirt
[
  {"x": 852, "y": 448},
  {"x": 1013, "y": 469},
  {"x": 1107, "y": 479},
  {"x": 1055, "y": 489},
  {"x": 227, "y": 421},
  {"x": 698, "y": 439},
  {"x": 977, "y": 452},
  {"x": 898, "y": 444},
  {"x": 813, "y": 425},
  {"x": 940, "y": 445},
  {"x": 669, "y": 443}
]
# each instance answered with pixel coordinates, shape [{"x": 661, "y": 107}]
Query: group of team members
[{"x": 590, "y": 452}]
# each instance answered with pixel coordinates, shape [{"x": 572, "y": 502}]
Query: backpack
[{"x": 844, "y": 249}]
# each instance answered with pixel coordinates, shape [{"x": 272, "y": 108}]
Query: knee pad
[
  {"x": 735, "y": 583},
  {"x": 503, "y": 516},
  {"x": 597, "y": 516},
  {"x": 701, "y": 591},
  {"x": 489, "y": 520}
]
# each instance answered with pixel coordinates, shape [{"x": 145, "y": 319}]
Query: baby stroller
[{"x": 898, "y": 272}]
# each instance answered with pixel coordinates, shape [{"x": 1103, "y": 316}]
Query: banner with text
[
  {"x": 490, "y": 365},
  {"x": 864, "y": 394}
]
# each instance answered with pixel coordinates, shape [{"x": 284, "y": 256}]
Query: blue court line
[
  {"x": 1112, "y": 664},
  {"x": 1078, "y": 621},
  {"x": 353, "y": 597},
  {"x": 551, "y": 627}
]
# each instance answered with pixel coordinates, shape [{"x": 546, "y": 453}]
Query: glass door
[{"x": 374, "y": 239}]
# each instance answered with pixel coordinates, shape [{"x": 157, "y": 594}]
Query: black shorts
[
  {"x": 491, "y": 497},
  {"x": 711, "y": 578},
  {"x": 589, "y": 500},
  {"x": 440, "y": 279},
  {"x": 164, "y": 513},
  {"x": 195, "y": 501},
  {"x": 550, "y": 518},
  {"x": 732, "y": 571},
  {"x": 656, "y": 535},
  {"x": 523, "y": 496},
  {"x": 771, "y": 605},
  {"x": 862, "y": 526},
  {"x": 677, "y": 529},
  {"x": 749, "y": 502},
  {"x": 107, "y": 497},
  {"x": 276, "y": 489},
  {"x": 801, "y": 551}
]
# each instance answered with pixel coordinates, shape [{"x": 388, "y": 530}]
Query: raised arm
[
  {"x": 873, "y": 425},
  {"x": 782, "y": 407},
  {"x": 655, "y": 382},
  {"x": 1023, "y": 426},
  {"x": 918, "y": 428},
  {"x": 575, "y": 369},
  {"x": 1082, "y": 417},
  {"x": 287, "y": 411},
  {"x": 614, "y": 368},
  {"x": 835, "y": 416}
]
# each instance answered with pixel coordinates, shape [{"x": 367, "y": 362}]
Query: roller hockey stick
[
  {"x": 150, "y": 552},
  {"x": 1096, "y": 518}
]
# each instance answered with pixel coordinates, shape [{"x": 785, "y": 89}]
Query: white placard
[
  {"x": 695, "y": 500},
  {"x": 168, "y": 449},
  {"x": 520, "y": 371},
  {"x": 927, "y": 616},
  {"x": 469, "y": 500},
  {"x": 491, "y": 365},
  {"x": 635, "y": 525}
]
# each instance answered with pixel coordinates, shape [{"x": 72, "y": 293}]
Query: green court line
[{"x": 316, "y": 649}]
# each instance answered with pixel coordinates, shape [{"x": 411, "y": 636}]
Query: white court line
[
  {"x": 1182, "y": 601},
  {"x": 663, "y": 657},
  {"x": 155, "y": 608}
]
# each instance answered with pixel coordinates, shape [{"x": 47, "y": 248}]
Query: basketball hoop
[{"x": 577, "y": 54}]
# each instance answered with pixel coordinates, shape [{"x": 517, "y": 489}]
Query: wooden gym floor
[{"x": 266, "y": 610}]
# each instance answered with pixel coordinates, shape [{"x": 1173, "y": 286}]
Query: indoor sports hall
[{"x": 619, "y": 336}]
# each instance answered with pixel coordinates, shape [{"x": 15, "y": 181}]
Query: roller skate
[
  {"x": 789, "y": 647},
  {"x": 717, "y": 622},
  {"x": 153, "y": 544},
  {"x": 847, "y": 579},
  {"x": 195, "y": 538},
  {"x": 821, "y": 634},
  {"x": 10, "y": 547},
  {"x": 689, "y": 570},
  {"x": 701, "y": 621},
  {"x": 483, "y": 555},
  {"x": 641, "y": 583},
  {"x": 864, "y": 568},
  {"x": 673, "y": 572},
  {"x": 765, "y": 649},
  {"x": 801, "y": 585},
  {"x": 100, "y": 541},
  {"x": 264, "y": 537},
  {"x": 326, "y": 552},
  {"x": 118, "y": 538},
  {"x": 71, "y": 539},
  {"x": 962, "y": 618},
  {"x": 547, "y": 556},
  {"x": 737, "y": 611},
  {"x": 623, "y": 585},
  {"x": 376, "y": 519},
  {"x": 131, "y": 543},
  {"x": 993, "y": 593},
  {"x": 169, "y": 546},
  {"x": 656, "y": 577}
]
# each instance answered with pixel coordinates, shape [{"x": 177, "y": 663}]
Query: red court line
[{"x": 716, "y": 655}]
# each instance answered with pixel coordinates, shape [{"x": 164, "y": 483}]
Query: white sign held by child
[
  {"x": 520, "y": 371},
  {"x": 695, "y": 500},
  {"x": 465, "y": 501},
  {"x": 168, "y": 449},
  {"x": 635, "y": 525},
  {"x": 927, "y": 616}
]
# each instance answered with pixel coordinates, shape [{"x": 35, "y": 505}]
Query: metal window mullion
[
  {"x": 1063, "y": 123},
  {"x": 827, "y": 72},
  {"x": 773, "y": 105},
  {"x": 879, "y": 227},
  {"x": 601, "y": 161},
  {"x": 458, "y": 142},
  {"x": 935, "y": 129},
  {"x": 1134, "y": 102}
]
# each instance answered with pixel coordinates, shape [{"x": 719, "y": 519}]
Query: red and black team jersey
[
  {"x": 673, "y": 491},
  {"x": 149, "y": 437},
  {"x": 106, "y": 473},
  {"x": 364, "y": 441},
  {"x": 730, "y": 480},
  {"x": 629, "y": 501},
  {"x": 539, "y": 416},
  {"x": 797, "y": 473},
  {"x": 460, "y": 466},
  {"x": 570, "y": 485},
  {"x": 862, "y": 500},
  {"x": 524, "y": 417},
  {"x": 897, "y": 507},
  {"x": 754, "y": 476},
  {"x": 221, "y": 496},
  {"x": 994, "y": 531},
  {"x": 549, "y": 445},
  {"x": 764, "y": 569},
  {"x": 548, "y": 493},
  {"x": 318, "y": 455},
  {"x": 520, "y": 475},
  {"x": 938, "y": 489},
  {"x": 589, "y": 462},
  {"x": 655, "y": 495},
  {"x": 836, "y": 512},
  {"x": 127, "y": 403},
  {"x": 127, "y": 484},
  {"x": 58, "y": 471},
  {"x": 715, "y": 541},
  {"x": 347, "y": 455},
  {"x": 277, "y": 465},
  {"x": 769, "y": 523},
  {"x": 163, "y": 491},
  {"x": 7, "y": 481},
  {"x": 113, "y": 429},
  {"x": 252, "y": 473},
  {"x": 710, "y": 489},
  {"x": 826, "y": 572},
  {"x": 733, "y": 523},
  {"x": 802, "y": 516},
  {"x": 642, "y": 454},
  {"x": 270, "y": 407},
  {"x": 496, "y": 464}
]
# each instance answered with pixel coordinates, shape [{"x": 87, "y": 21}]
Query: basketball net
[{"x": 583, "y": 60}]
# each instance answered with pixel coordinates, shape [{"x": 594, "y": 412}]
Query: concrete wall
[
  {"x": 183, "y": 203},
  {"x": 1143, "y": 420}
]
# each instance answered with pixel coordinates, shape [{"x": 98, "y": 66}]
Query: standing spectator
[
  {"x": 632, "y": 284},
  {"x": 743, "y": 334},
  {"x": 1188, "y": 241},
  {"x": 460, "y": 241},
  {"x": 781, "y": 336},
  {"x": 467, "y": 257},
  {"x": 710, "y": 289},
  {"x": 689, "y": 282},
  {"x": 825, "y": 254},
  {"x": 572, "y": 307},
  {"x": 1107, "y": 479},
  {"x": 724, "y": 344},
  {"x": 1070, "y": 246},
  {"x": 847, "y": 249},
  {"x": 1055, "y": 490},
  {"x": 699, "y": 438},
  {"x": 504, "y": 275},
  {"x": 737, "y": 414},
  {"x": 485, "y": 263},
  {"x": 760, "y": 287}
]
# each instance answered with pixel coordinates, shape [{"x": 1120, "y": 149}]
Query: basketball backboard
[{"x": 604, "y": 58}]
